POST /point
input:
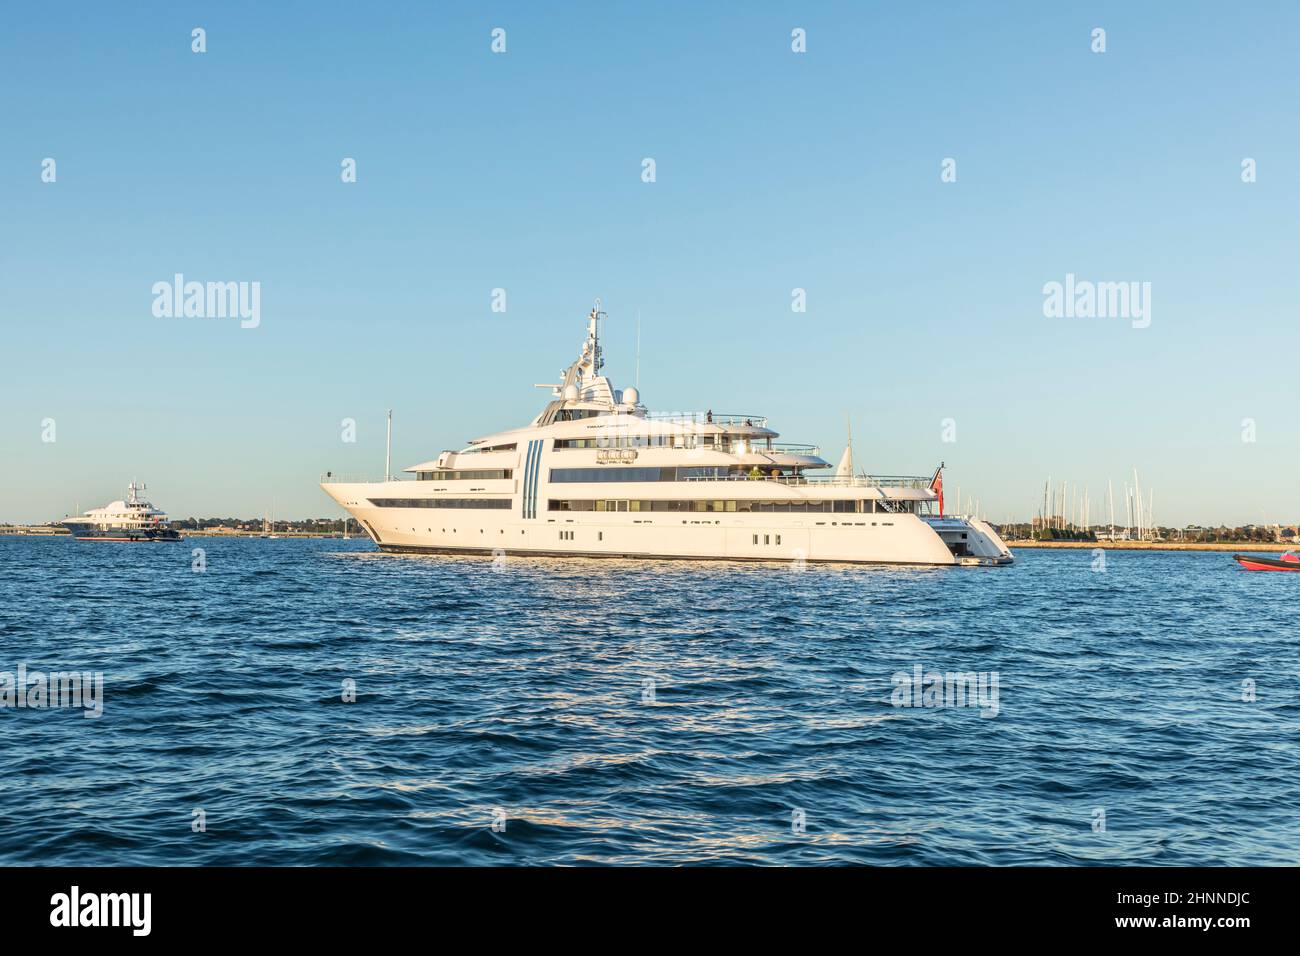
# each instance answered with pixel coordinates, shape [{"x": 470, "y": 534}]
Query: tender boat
[
  {"x": 131, "y": 520},
  {"x": 598, "y": 474},
  {"x": 1290, "y": 561}
]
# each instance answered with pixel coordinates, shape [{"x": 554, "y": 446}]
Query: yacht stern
[{"x": 972, "y": 541}]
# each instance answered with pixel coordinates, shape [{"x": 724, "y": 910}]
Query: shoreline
[{"x": 1237, "y": 546}]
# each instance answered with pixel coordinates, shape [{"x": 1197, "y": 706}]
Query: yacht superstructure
[
  {"x": 132, "y": 519},
  {"x": 596, "y": 473}
]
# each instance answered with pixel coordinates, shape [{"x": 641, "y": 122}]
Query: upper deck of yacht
[
  {"x": 594, "y": 432},
  {"x": 132, "y": 509}
]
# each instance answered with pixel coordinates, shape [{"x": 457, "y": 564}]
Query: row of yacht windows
[
  {"x": 575, "y": 414},
  {"x": 500, "y": 503},
  {"x": 482, "y": 474},
  {"x": 642, "y": 474},
  {"x": 718, "y": 442},
  {"x": 834, "y": 506},
  {"x": 480, "y": 448}
]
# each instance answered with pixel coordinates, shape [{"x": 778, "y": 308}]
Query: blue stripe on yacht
[
  {"x": 531, "y": 504},
  {"x": 532, "y": 491},
  {"x": 528, "y": 471}
]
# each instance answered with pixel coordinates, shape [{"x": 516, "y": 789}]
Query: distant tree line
[
  {"x": 1263, "y": 534},
  {"x": 307, "y": 525}
]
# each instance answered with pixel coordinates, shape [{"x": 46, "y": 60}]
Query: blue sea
[{"x": 544, "y": 711}]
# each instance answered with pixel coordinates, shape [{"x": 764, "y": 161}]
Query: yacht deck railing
[
  {"x": 329, "y": 478},
  {"x": 787, "y": 448},
  {"x": 915, "y": 482},
  {"x": 708, "y": 418}
]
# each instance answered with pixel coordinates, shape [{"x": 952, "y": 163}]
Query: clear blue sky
[{"x": 775, "y": 171}]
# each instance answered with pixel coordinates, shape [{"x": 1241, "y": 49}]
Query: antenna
[
  {"x": 637, "y": 382},
  {"x": 593, "y": 337}
]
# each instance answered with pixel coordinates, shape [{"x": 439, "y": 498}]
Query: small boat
[{"x": 1290, "y": 561}]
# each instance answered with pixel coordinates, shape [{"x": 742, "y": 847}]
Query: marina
[{"x": 1121, "y": 545}]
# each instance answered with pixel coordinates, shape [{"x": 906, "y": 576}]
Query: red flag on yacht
[{"x": 936, "y": 484}]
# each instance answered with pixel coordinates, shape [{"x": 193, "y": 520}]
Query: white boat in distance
[
  {"x": 597, "y": 474},
  {"x": 132, "y": 519}
]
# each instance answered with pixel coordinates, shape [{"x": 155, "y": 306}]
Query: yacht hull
[
  {"x": 822, "y": 538},
  {"x": 126, "y": 536},
  {"x": 641, "y": 556}
]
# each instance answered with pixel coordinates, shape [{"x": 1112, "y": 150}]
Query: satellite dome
[
  {"x": 570, "y": 393},
  {"x": 631, "y": 396}
]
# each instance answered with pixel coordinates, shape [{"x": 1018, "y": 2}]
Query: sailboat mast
[
  {"x": 1042, "y": 523},
  {"x": 1110, "y": 493},
  {"x": 1137, "y": 502}
]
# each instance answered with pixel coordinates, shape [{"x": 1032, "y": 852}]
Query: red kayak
[{"x": 1288, "y": 562}]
